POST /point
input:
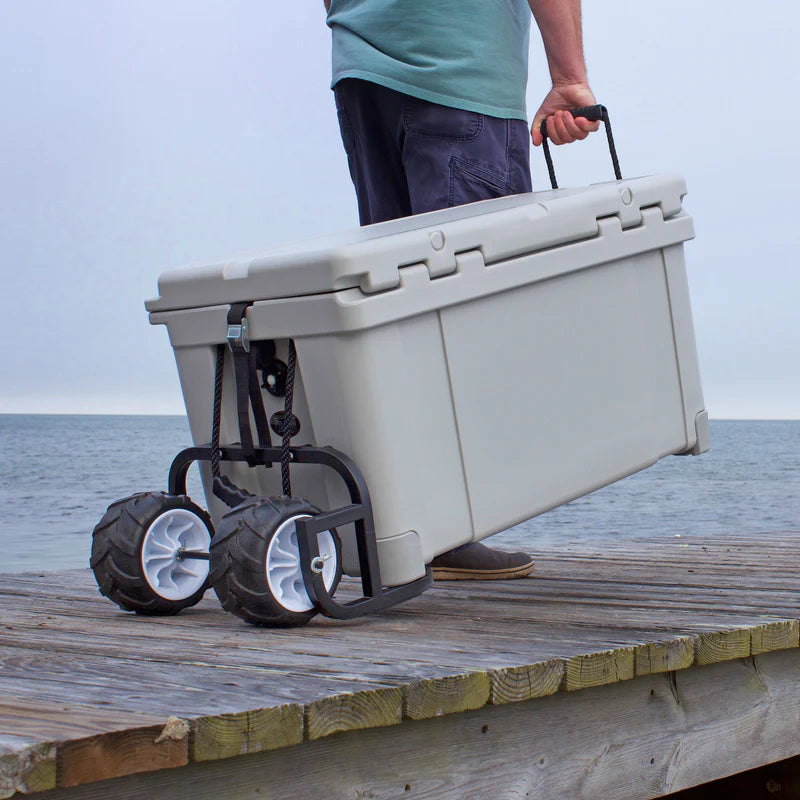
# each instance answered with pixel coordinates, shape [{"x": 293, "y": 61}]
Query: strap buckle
[{"x": 239, "y": 336}]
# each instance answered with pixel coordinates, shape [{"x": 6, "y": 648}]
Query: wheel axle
[{"x": 200, "y": 555}]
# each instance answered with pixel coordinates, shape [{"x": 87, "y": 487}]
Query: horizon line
[{"x": 162, "y": 414}]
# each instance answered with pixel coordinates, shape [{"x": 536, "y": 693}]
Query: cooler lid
[{"x": 370, "y": 258}]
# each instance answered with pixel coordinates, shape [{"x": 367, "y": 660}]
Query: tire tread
[
  {"x": 238, "y": 558},
  {"x": 116, "y": 553}
]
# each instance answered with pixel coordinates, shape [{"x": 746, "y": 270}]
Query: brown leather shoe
[{"x": 476, "y": 562}]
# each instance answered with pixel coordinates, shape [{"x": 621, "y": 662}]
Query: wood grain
[
  {"x": 439, "y": 696},
  {"x": 110, "y": 755},
  {"x": 716, "y": 646},
  {"x": 227, "y": 735},
  {"x": 780, "y": 635},
  {"x": 354, "y": 711},
  {"x": 25, "y": 767},
  {"x": 598, "y": 669},
  {"x": 655, "y": 657},
  {"x": 80, "y": 680},
  {"x": 516, "y": 684},
  {"x": 638, "y": 739}
]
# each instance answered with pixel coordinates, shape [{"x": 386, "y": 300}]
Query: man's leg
[
  {"x": 370, "y": 121},
  {"x": 408, "y": 156}
]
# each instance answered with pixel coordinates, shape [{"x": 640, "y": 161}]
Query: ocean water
[{"x": 59, "y": 473}]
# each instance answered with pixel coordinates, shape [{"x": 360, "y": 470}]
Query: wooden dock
[{"x": 622, "y": 669}]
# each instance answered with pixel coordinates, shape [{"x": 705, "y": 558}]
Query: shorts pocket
[
  {"x": 434, "y": 121},
  {"x": 470, "y": 183}
]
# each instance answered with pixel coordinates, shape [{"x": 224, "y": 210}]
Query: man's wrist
[{"x": 562, "y": 82}]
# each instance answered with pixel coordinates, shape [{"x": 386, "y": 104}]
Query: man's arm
[{"x": 559, "y": 22}]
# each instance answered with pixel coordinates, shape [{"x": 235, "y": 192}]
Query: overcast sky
[{"x": 137, "y": 135}]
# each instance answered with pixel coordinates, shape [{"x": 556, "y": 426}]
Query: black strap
[
  {"x": 248, "y": 392},
  {"x": 241, "y": 373},
  {"x": 257, "y": 403},
  {"x": 229, "y": 493}
]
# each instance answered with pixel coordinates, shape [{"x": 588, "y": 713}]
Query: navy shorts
[{"x": 408, "y": 156}]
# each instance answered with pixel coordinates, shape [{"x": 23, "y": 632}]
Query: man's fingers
[
  {"x": 536, "y": 133},
  {"x": 553, "y": 129},
  {"x": 564, "y": 125},
  {"x": 587, "y": 125},
  {"x": 574, "y": 131},
  {"x": 562, "y": 128}
]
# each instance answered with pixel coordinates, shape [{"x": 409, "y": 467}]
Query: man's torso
[{"x": 469, "y": 54}]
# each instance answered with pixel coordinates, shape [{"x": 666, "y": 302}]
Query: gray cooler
[{"x": 480, "y": 365}]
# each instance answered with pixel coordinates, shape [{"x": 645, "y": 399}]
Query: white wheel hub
[
  {"x": 170, "y": 533},
  {"x": 284, "y": 574}
]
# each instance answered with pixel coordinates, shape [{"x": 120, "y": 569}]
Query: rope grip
[{"x": 597, "y": 113}]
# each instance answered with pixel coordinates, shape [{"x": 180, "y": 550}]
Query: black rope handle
[
  {"x": 288, "y": 421},
  {"x": 596, "y": 113},
  {"x": 215, "y": 423}
]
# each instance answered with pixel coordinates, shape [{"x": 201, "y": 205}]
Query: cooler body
[{"x": 480, "y": 365}]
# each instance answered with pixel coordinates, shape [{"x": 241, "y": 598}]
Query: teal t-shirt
[{"x": 469, "y": 54}]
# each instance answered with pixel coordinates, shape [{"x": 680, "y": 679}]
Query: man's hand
[{"x": 562, "y": 127}]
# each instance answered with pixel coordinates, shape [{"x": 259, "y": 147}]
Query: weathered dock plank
[
  {"x": 596, "y": 744},
  {"x": 237, "y": 734},
  {"x": 93, "y": 698}
]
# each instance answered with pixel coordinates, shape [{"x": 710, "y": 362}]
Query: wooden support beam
[
  {"x": 439, "y": 696},
  {"x": 516, "y": 684},
  {"x": 109, "y": 755},
  {"x": 598, "y": 669},
  {"x": 26, "y": 767},
  {"x": 350, "y": 711},
  {"x": 633, "y": 740},
  {"x": 716, "y": 646},
  {"x": 237, "y": 734},
  {"x": 667, "y": 656},
  {"x": 780, "y": 635}
]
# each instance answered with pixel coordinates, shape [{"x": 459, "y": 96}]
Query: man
[{"x": 430, "y": 96}]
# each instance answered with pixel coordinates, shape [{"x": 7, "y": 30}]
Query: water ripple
[{"x": 60, "y": 472}]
